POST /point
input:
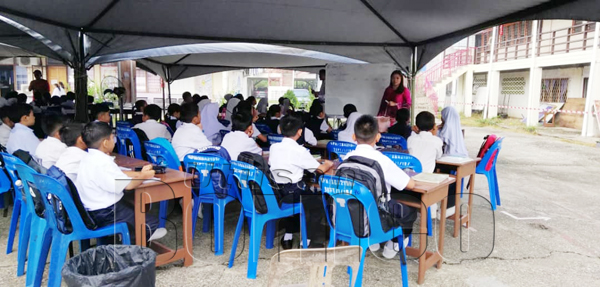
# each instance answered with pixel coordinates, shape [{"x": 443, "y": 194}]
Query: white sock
[{"x": 288, "y": 236}]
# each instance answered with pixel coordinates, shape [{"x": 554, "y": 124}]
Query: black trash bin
[{"x": 111, "y": 265}]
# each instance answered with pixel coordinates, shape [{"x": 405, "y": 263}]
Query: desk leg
[
  {"x": 471, "y": 188},
  {"x": 422, "y": 245},
  {"x": 187, "y": 229},
  {"x": 457, "y": 219},
  {"x": 442, "y": 232},
  {"x": 140, "y": 219}
]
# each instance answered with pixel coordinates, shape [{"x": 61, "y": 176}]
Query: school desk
[
  {"x": 463, "y": 168},
  {"x": 170, "y": 185}
]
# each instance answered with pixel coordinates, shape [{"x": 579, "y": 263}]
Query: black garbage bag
[{"x": 112, "y": 265}]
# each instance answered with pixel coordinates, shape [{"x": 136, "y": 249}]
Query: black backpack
[
  {"x": 261, "y": 164},
  {"x": 143, "y": 138},
  {"x": 369, "y": 173},
  {"x": 218, "y": 179}
]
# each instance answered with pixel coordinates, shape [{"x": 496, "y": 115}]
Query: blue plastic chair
[
  {"x": 339, "y": 148},
  {"x": 263, "y": 128},
  {"x": 274, "y": 138},
  {"x": 159, "y": 151},
  {"x": 60, "y": 242},
  {"x": 334, "y": 134},
  {"x": 244, "y": 174},
  {"x": 390, "y": 140},
  {"x": 5, "y": 185},
  {"x": 129, "y": 143},
  {"x": 404, "y": 160},
  {"x": 487, "y": 167},
  {"x": 202, "y": 165},
  {"x": 343, "y": 190}
]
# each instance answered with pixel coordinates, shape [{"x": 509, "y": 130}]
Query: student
[
  {"x": 150, "y": 124},
  {"x": 196, "y": 99},
  {"x": 348, "y": 110},
  {"x": 187, "y": 97},
  {"x": 262, "y": 106},
  {"x": 7, "y": 124},
  {"x": 173, "y": 113},
  {"x": 240, "y": 138},
  {"x": 139, "y": 112},
  {"x": 321, "y": 93},
  {"x": 317, "y": 123},
  {"x": 288, "y": 161},
  {"x": 51, "y": 148},
  {"x": 366, "y": 134},
  {"x": 210, "y": 123},
  {"x": 346, "y": 135},
  {"x": 424, "y": 143},
  {"x": 22, "y": 136},
  {"x": 451, "y": 133},
  {"x": 402, "y": 127},
  {"x": 246, "y": 107},
  {"x": 189, "y": 136},
  {"x": 273, "y": 116},
  {"x": 69, "y": 160},
  {"x": 102, "y": 113}
]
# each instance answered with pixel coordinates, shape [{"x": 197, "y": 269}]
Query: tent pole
[
  {"x": 169, "y": 83},
  {"x": 80, "y": 73},
  {"x": 413, "y": 73},
  {"x": 164, "y": 104},
  {"x": 486, "y": 108}
]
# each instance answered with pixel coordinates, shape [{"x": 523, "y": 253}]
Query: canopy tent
[
  {"x": 7, "y": 51},
  {"x": 374, "y": 31}
]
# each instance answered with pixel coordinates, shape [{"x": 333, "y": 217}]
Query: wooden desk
[
  {"x": 173, "y": 184},
  {"x": 463, "y": 170},
  {"x": 430, "y": 194}
]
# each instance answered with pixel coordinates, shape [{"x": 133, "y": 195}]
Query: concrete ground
[{"x": 544, "y": 234}]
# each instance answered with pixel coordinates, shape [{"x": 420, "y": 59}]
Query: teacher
[{"x": 395, "y": 97}]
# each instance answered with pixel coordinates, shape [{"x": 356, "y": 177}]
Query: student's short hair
[
  {"x": 204, "y": 97},
  {"x": 5, "y": 112},
  {"x": 173, "y": 108},
  {"x": 70, "y": 132},
  {"x": 140, "y": 104},
  {"x": 403, "y": 115},
  {"x": 239, "y": 97},
  {"x": 186, "y": 95},
  {"x": 12, "y": 94},
  {"x": 20, "y": 110},
  {"x": 290, "y": 124},
  {"x": 241, "y": 121},
  {"x": 63, "y": 98},
  {"x": 70, "y": 96},
  {"x": 21, "y": 98},
  {"x": 366, "y": 129},
  {"x": 349, "y": 109},
  {"x": 90, "y": 99},
  {"x": 243, "y": 107},
  {"x": 99, "y": 109},
  {"x": 425, "y": 121},
  {"x": 55, "y": 101},
  {"x": 196, "y": 98},
  {"x": 280, "y": 100},
  {"x": 94, "y": 132},
  {"x": 188, "y": 112},
  {"x": 51, "y": 124},
  {"x": 153, "y": 111},
  {"x": 316, "y": 108},
  {"x": 251, "y": 99},
  {"x": 273, "y": 109}
]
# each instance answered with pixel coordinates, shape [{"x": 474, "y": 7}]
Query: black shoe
[{"x": 286, "y": 244}]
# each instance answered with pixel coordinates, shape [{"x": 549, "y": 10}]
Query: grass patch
[{"x": 476, "y": 120}]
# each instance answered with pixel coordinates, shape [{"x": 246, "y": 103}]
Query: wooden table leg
[
  {"x": 442, "y": 231},
  {"x": 422, "y": 245},
  {"x": 459, "y": 176},
  {"x": 471, "y": 188},
  {"x": 140, "y": 219},
  {"x": 187, "y": 229}
]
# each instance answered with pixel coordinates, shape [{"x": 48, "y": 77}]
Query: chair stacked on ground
[
  {"x": 249, "y": 179},
  {"x": 339, "y": 148},
  {"x": 344, "y": 191},
  {"x": 206, "y": 167},
  {"x": 487, "y": 167},
  {"x": 391, "y": 140}
]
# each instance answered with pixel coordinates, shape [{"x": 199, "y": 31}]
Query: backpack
[
  {"x": 261, "y": 164},
  {"x": 62, "y": 219},
  {"x": 488, "y": 141},
  {"x": 28, "y": 160},
  {"x": 369, "y": 173},
  {"x": 218, "y": 179}
]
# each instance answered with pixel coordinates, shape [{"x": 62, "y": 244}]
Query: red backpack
[{"x": 488, "y": 141}]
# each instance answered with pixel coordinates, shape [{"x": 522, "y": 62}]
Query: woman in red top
[{"x": 395, "y": 97}]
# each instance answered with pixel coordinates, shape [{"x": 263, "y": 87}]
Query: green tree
[{"x": 292, "y": 97}]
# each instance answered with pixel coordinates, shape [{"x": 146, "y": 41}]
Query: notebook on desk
[{"x": 430, "y": 177}]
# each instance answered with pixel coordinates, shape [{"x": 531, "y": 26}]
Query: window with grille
[
  {"x": 513, "y": 86},
  {"x": 515, "y": 33},
  {"x": 554, "y": 90},
  {"x": 578, "y": 26},
  {"x": 479, "y": 81}
]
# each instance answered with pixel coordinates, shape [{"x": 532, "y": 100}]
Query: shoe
[
  {"x": 390, "y": 249},
  {"x": 286, "y": 244},
  {"x": 374, "y": 247},
  {"x": 158, "y": 234}
]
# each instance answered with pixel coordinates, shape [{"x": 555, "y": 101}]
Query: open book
[
  {"x": 454, "y": 159},
  {"x": 430, "y": 177}
]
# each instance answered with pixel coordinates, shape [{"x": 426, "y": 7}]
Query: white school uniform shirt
[
  {"x": 426, "y": 147},
  {"x": 100, "y": 182},
  {"x": 309, "y": 137},
  {"x": 188, "y": 138},
  {"x": 288, "y": 160},
  {"x": 49, "y": 150},
  {"x": 237, "y": 142},
  {"x": 255, "y": 131},
  {"x": 22, "y": 137},
  {"x": 394, "y": 176},
  {"x": 69, "y": 162},
  {"x": 324, "y": 126},
  {"x": 154, "y": 129},
  {"x": 4, "y": 134}
]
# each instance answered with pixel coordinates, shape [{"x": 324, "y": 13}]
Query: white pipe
[
  {"x": 489, "y": 75},
  {"x": 591, "y": 83}
]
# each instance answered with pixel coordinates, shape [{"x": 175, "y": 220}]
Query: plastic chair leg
[
  {"x": 60, "y": 244},
  {"x": 195, "y": 209},
  {"x": 359, "y": 272},
  {"x": 206, "y": 214},
  {"x": 162, "y": 213},
  {"x": 429, "y": 223},
  {"x": 219, "y": 225},
  {"x": 254, "y": 247},
  {"x": 303, "y": 228},
  {"x": 403, "y": 268},
  {"x": 236, "y": 237},
  {"x": 496, "y": 186},
  {"x": 24, "y": 232},
  {"x": 39, "y": 245},
  {"x": 271, "y": 230},
  {"x": 16, "y": 213},
  {"x": 491, "y": 186}
]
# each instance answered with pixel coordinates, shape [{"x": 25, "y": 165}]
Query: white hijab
[
  {"x": 451, "y": 133},
  {"x": 233, "y": 102},
  {"x": 210, "y": 123},
  {"x": 346, "y": 134},
  {"x": 202, "y": 104},
  {"x": 262, "y": 106}
]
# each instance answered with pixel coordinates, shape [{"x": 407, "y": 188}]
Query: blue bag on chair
[{"x": 218, "y": 180}]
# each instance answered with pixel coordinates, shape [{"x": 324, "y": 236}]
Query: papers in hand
[
  {"x": 454, "y": 159},
  {"x": 430, "y": 177}
]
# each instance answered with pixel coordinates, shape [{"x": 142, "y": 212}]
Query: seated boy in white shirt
[
  {"x": 69, "y": 160},
  {"x": 100, "y": 183},
  {"x": 240, "y": 138},
  {"x": 22, "y": 136},
  {"x": 366, "y": 134},
  {"x": 102, "y": 113},
  {"x": 7, "y": 124},
  {"x": 288, "y": 160},
  {"x": 51, "y": 148},
  {"x": 189, "y": 136},
  {"x": 150, "y": 124},
  {"x": 424, "y": 143}
]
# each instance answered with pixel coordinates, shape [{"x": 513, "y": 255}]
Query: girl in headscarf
[
  {"x": 285, "y": 106},
  {"x": 346, "y": 134},
  {"x": 262, "y": 106},
  {"x": 203, "y": 103},
  {"x": 231, "y": 104},
  {"x": 210, "y": 123},
  {"x": 451, "y": 133}
]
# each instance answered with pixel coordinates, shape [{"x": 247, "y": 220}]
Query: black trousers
[
  {"x": 122, "y": 211},
  {"x": 313, "y": 210}
]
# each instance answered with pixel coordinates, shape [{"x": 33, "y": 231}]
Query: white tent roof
[{"x": 373, "y": 31}]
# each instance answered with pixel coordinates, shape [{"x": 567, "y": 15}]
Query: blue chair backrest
[
  {"x": 263, "y": 128},
  {"x": 10, "y": 163},
  {"x": 339, "y": 148},
  {"x": 489, "y": 159},
  {"x": 343, "y": 191},
  {"x": 161, "y": 152},
  {"x": 203, "y": 166},
  {"x": 274, "y": 138},
  {"x": 404, "y": 160},
  {"x": 5, "y": 182},
  {"x": 389, "y": 140},
  {"x": 245, "y": 173},
  {"x": 129, "y": 143},
  {"x": 334, "y": 134},
  {"x": 33, "y": 197}
]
